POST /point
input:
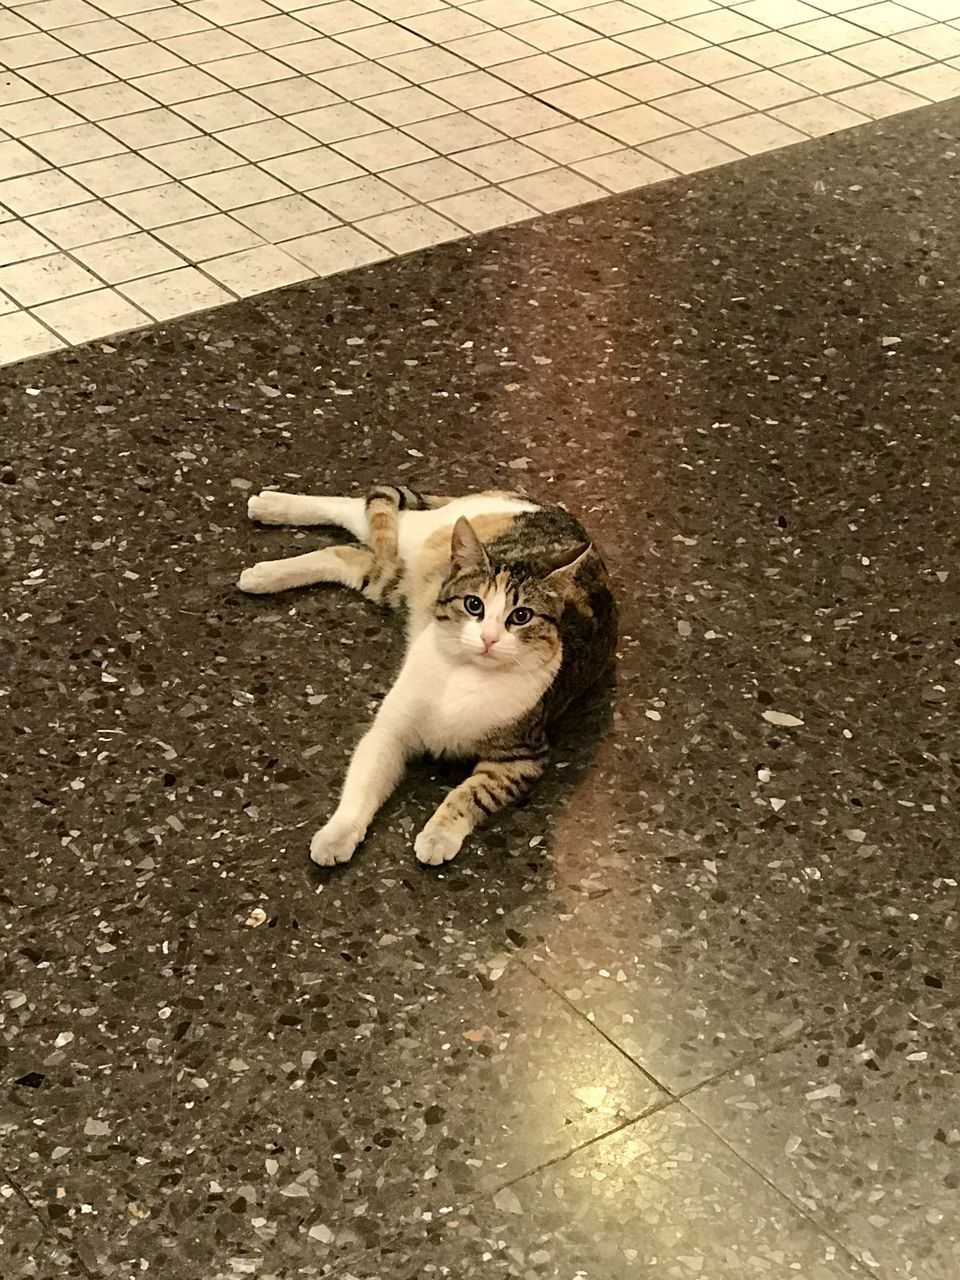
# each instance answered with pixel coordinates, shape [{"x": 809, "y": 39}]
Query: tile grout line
[
  {"x": 242, "y": 161},
  {"x": 103, "y": 199},
  {"x": 273, "y": 116},
  {"x": 778, "y": 1045},
  {"x": 658, "y": 1084},
  {"x": 465, "y": 1205},
  {"x": 227, "y": 212},
  {"x": 416, "y": 203},
  {"x": 400, "y": 23},
  {"x": 680, "y": 1099},
  {"x": 114, "y": 288},
  {"x": 199, "y": 264},
  {"x": 654, "y": 1109},
  {"x": 797, "y": 1208},
  {"x": 203, "y": 132},
  {"x": 45, "y": 1227},
  {"x": 594, "y": 34}
]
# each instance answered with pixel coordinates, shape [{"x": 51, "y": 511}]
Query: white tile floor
[{"x": 158, "y": 158}]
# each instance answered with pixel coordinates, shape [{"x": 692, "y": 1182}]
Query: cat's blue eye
[
  {"x": 520, "y": 617},
  {"x": 473, "y": 606}
]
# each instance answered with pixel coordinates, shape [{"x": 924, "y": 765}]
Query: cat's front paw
[
  {"x": 260, "y": 580},
  {"x": 436, "y": 845},
  {"x": 334, "y": 843}
]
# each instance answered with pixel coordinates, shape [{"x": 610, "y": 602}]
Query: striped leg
[{"x": 492, "y": 785}]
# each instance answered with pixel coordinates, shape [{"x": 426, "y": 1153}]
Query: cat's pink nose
[{"x": 488, "y": 641}]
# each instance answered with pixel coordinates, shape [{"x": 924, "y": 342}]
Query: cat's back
[
  {"x": 542, "y": 536},
  {"x": 588, "y": 623},
  {"x": 426, "y": 533},
  {"x": 535, "y": 536}
]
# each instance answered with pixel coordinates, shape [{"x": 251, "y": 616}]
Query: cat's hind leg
[
  {"x": 348, "y": 566},
  {"x": 356, "y": 567},
  {"x": 273, "y": 507},
  {"x": 373, "y": 520}
]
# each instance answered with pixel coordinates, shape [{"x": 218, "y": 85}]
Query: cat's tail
[{"x": 403, "y": 499}]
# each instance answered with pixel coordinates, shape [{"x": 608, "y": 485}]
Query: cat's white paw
[
  {"x": 267, "y": 507},
  {"x": 260, "y": 580},
  {"x": 436, "y": 845},
  {"x": 334, "y": 843}
]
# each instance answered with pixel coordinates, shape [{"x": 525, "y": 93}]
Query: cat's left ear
[
  {"x": 466, "y": 549},
  {"x": 563, "y": 568}
]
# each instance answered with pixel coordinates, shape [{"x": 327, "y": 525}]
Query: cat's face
[
  {"x": 495, "y": 620},
  {"x": 499, "y": 617}
]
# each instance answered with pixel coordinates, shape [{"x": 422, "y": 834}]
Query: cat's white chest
[
  {"x": 451, "y": 706},
  {"x": 464, "y": 707}
]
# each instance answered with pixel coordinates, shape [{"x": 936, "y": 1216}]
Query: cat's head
[{"x": 499, "y": 616}]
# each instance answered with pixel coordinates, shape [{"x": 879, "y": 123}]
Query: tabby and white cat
[{"x": 510, "y": 617}]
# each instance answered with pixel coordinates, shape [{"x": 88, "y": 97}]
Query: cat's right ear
[{"x": 466, "y": 549}]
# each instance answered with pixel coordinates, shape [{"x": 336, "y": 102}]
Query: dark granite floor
[{"x": 691, "y": 1013}]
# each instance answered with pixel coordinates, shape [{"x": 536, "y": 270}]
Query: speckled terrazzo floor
[{"x": 692, "y": 1012}]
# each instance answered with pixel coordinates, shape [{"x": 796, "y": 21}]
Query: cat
[{"x": 510, "y": 617}]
